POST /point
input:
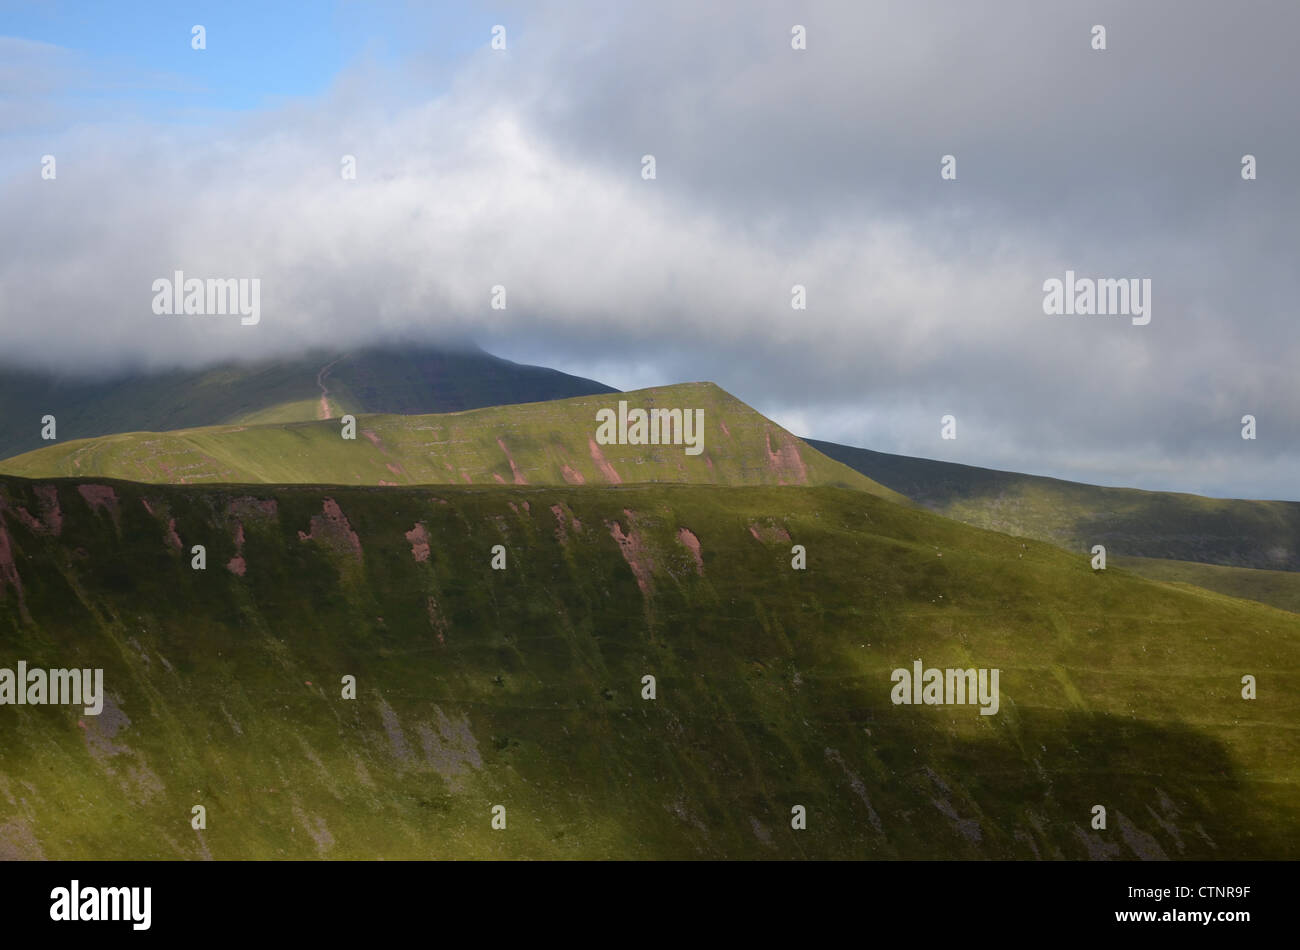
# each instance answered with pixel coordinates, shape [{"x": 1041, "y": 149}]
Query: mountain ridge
[
  {"x": 1134, "y": 522},
  {"x": 393, "y": 378},
  {"x": 548, "y": 442}
]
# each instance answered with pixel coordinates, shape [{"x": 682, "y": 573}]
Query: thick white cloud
[{"x": 775, "y": 167}]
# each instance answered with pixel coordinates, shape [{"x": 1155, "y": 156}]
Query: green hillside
[
  {"x": 319, "y": 384},
  {"x": 522, "y": 687},
  {"x": 546, "y": 443},
  {"x": 1278, "y": 588},
  {"x": 1264, "y": 535}
]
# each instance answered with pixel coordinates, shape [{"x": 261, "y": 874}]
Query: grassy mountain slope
[
  {"x": 408, "y": 379},
  {"x": 1264, "y": 535},
  {"x": 538, "y": 443},
  {"x": 1278, "y": 588},
  {"x": 523, "y": 687}
]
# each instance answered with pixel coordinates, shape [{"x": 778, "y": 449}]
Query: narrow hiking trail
[{"x": 323, "y": 411}]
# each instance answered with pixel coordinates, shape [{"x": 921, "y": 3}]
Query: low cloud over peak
[{"x": 523, "y": 169}]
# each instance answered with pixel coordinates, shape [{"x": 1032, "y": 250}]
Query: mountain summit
[{"x": 557, "y": 442}]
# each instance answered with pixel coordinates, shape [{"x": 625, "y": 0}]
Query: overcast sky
[{"x": 774, "y": 166}]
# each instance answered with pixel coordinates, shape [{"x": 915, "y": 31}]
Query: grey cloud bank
[{"x": 774, "y": 167}]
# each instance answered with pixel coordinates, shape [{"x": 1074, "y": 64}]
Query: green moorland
[
  {"x": 522, "y": 687},
  {"x": 1279, "y": 588},
  {"x": 1235, "y": 532},
  {"x": 317, "y": 385},
  {"x": 544, "y": 443},
  {"x": 1253, "y": 545}
]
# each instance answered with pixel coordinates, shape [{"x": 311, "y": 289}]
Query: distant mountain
[
  {"x": 540, "y": 443},
  {"x": 1146, "y": 532},
  {"x": 320, "y": 384},
  {"x": 1236, "y": 532}
]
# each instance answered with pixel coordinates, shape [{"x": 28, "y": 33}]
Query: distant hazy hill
[
  {"x": 318, "y": 385},
  {"x": 1239, "y": 547},
  {"x": 543, "y": 443},
  {"x": 523, "y": 687},
  {"x": 1259, "y": 534}
]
